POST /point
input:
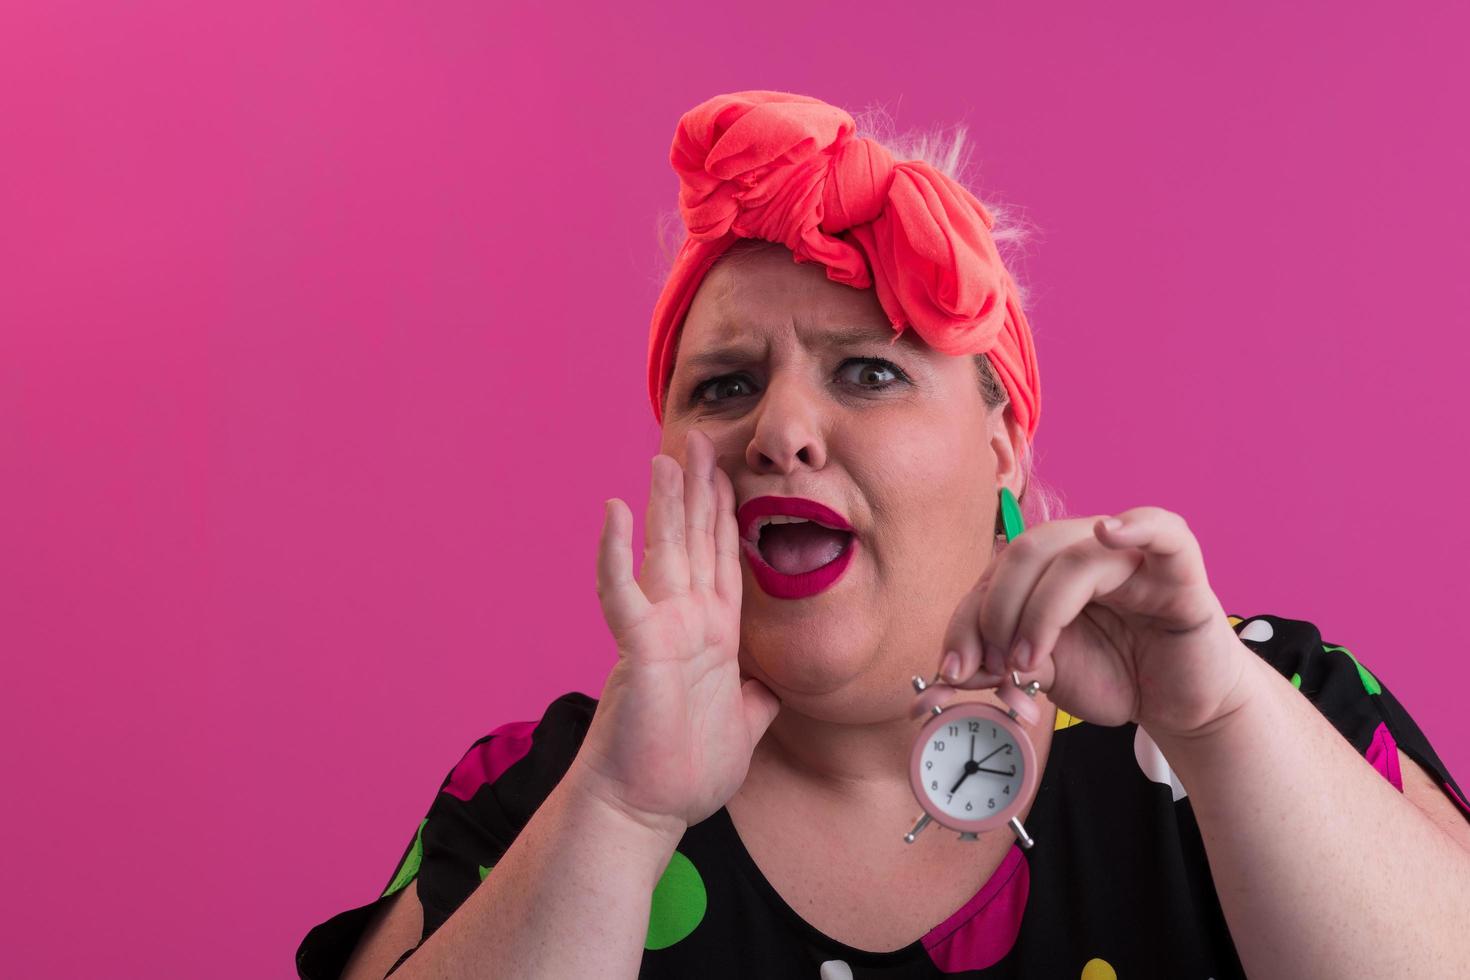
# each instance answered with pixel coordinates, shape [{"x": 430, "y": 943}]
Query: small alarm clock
[{"x": 973, "y": 766}]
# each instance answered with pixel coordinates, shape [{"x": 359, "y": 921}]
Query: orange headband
[{"x": 787, "y": 168}]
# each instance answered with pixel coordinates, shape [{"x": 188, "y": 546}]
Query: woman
[{"x": 737, "y": 804}]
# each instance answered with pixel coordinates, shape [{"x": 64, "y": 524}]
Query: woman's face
[{"x": 908, "y": 454}]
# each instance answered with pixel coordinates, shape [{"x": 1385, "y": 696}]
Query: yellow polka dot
[
  {"x": 1097, "y": 969},
  {"x": 1065, "y": 720}
]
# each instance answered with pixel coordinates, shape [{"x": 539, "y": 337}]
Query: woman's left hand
[{"x": 1121, "y": 625}]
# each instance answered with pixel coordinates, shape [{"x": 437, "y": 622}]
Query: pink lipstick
[{"x": 777, "y": 583}]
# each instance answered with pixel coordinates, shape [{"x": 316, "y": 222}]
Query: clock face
[{"x": 972, "y": 768}]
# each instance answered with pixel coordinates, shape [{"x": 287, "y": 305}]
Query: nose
[{"x": 790, "y": 428}]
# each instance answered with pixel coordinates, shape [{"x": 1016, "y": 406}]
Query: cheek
[
  {"x": 933, "y": 494},
  {"x": 919, "y": 470}
]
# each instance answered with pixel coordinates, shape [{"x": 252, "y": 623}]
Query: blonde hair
[{"x": 948, "y": 152}]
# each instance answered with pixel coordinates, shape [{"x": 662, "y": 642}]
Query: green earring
[{"x": 1010, "y": 514}]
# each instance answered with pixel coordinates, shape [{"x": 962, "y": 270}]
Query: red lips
[
  {"x": 776, "y": 583},
  {"x": 757, "y": 507}
]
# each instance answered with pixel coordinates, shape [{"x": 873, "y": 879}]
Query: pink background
[{"x": 322, "y": 338}]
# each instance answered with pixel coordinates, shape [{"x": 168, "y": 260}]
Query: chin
[{"x": 832, "y": 685}]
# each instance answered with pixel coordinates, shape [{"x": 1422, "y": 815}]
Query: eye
[
  {"x": 714, "y": 384},
  {"x": 882, "y": 366},
  {"x": 866, "y": 363}
]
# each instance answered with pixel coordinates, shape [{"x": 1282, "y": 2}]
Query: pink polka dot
[
  {"x": 485, "y": 762},
  {"x": 985, "y": 928},
  {"x": 1383, "y": 755}
]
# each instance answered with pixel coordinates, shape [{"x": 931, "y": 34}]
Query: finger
[
  {"x": 699, "y": 510},
  {"x": 1017, "y": 570},
  {"x": 623, "y": 603},
  {"x": 1170, "y": 548},
  {"x": 963, "y": 638},
  {"x": 981, "y": 677},
  {"x": 665, "y": 569},
  {"x": 728, "y": 581},
  {"x": 1075, "y": 576}
]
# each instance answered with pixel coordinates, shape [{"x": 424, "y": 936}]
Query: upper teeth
[{"x": 760, "y": 522}]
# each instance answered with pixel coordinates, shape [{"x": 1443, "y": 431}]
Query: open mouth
[{"x": 800, "y": 547}]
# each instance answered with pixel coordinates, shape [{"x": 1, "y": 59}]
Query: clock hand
[
  {"x": 974, "y": 766},
  {"x": 988, "y": 755}
]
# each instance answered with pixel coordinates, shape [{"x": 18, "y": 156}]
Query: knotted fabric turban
[{"x": 788, "y": 168}]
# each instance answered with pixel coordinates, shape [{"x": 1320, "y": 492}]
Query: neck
[{"x": 841, "y": 759}]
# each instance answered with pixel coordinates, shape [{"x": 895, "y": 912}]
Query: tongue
[{"x": 797, "y": 548}]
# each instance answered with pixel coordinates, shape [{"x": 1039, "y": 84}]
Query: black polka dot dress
[{"x": 1118, "y": 884}]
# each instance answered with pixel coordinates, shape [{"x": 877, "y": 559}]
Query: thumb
[{"x": 761, "y": 708}]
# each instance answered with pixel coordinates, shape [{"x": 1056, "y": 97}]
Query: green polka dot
[
  {"x": 1370, "y": 683},
  {"x": 1296, "y": 681},
  {"x": 484, "y": 871},
  {"x": 410, "y": 865},
  {"x": 679, "y": 901}
]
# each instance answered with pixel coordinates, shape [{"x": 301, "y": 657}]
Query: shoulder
[
  {"x": 1329, "y": 674},
  {"x": 1341, "y": 684},
  {"x": 520, "y": 762},
  {"x": 489, "y": 796},
  {"x": 482, "y": 803},
  {"x": 1296, "y": 648}
]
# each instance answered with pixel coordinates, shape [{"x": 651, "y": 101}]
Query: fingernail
[
  {"x": 1021, "y": 653},
  {"x": 1112, "y": 523},
  {"x": 992, "y": 660},
  {"x": 950, "y": 668}
]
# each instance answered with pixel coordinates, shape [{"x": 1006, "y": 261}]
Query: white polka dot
[
  {"x": 1257, "y": 631},
  {"x": 1151, "y": 760},
  {"x": 835, "y": 970}
]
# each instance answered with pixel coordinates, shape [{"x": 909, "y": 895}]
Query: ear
[{"x": 1008, "y": 442}]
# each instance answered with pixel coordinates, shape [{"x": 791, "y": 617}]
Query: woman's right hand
[{"x": 675, "y": 728}]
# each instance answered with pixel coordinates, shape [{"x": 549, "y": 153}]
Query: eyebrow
[{"x": 726, "y": 356}]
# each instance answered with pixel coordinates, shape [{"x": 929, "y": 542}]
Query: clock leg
[
  {"x": 1021, "y": 835},
  {"x": 909, "y": 837}
]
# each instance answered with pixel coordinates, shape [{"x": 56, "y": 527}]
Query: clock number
[
  {"x": 992, "y": 803},
  {"x": 974, "y": 726},
  {"x": 992, "y": 731},
  {"x": 969, "y": 806},
  {"x": 928, "y": 763},
  {"x": 948, "y": 797},
  {"x": 1007, "y": 788},
  {"x": 1008, "y": 748},
  {"x": 938, "y": 745},
  {"x": 954, "y": 729},
  {"x": 934, "y": 785}
]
